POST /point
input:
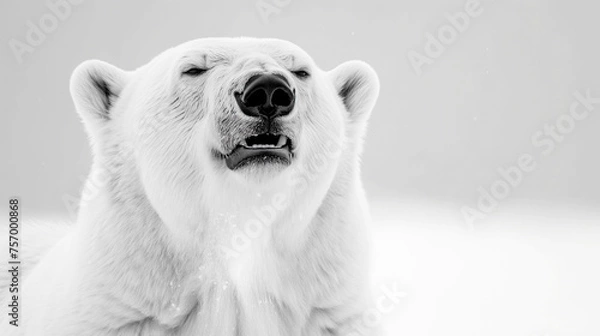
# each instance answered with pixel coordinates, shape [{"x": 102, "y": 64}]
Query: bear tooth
[{"x": 282, "y": 141}]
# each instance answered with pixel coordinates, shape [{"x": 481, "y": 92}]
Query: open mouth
[{"x": 261, "y": 149}]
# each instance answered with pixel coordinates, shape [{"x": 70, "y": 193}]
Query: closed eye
[
  {"x": 301, "y": 74},
  {"x": 194, "y": 71}
]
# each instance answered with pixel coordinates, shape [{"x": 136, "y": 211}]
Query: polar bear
[{"x": 228, "y": 199}]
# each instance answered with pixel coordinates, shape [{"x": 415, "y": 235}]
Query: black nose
[{"x": 267, "y": 96}]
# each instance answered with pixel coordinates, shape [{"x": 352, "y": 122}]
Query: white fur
[{"x": 148, "y": 254}]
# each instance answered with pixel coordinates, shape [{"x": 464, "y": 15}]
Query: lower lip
[{"x": 242, "y": 157}]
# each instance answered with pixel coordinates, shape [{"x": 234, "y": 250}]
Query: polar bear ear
[
  {"x": 95, "y": 87},
  {"x": 358, "y": 86}
]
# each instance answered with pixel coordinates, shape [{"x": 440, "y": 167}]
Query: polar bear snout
[{"x": 266, "y": 96}]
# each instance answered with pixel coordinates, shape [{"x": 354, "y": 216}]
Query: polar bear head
[{"x": 214, "y": 125}]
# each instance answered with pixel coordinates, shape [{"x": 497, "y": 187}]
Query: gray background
[
  {"x": 437, "y": 136},
  {"x": 528, "y": 269}
]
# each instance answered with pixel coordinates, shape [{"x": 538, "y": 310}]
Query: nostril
[
  {"x": 266, "y": 95},
  {"x": 256, "y": 98},
  {"x": 281, "y": 97}
]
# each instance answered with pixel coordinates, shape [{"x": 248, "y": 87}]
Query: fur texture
[{"x": 175, "y": 243}]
